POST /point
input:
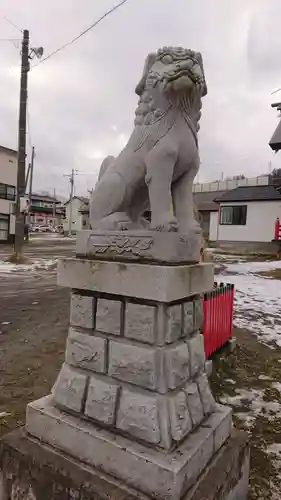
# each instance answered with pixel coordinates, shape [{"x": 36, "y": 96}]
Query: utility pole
[
  {"x": 54, "y": 209},
  {"x": 71, "y": 180},
  {"x": 31, "y": 184},
  {"x": 20, "y": 218}
]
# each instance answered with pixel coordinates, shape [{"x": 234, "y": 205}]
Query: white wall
[
  {"x": 213, "y": 231},
  {"x": 12, "y": 224},
  {"x": 8, "y": 168},
  {"x": 5, "y": 206},
  {"x": 76, "y": 216},
  {"x": 262, "y": 180},
  {"x": 261, "y": 217}
]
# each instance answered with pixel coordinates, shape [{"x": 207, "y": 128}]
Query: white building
[
  {"x": 8, "y": 182},
  {"x": 246, "y": 218},
  {"x": 76, "y": 214}
]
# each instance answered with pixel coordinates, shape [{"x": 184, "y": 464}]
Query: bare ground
[
  {"x": 274, "y": 274},
  {"x": 250, "y": 361},
  {"x": 31, "y": 349}
]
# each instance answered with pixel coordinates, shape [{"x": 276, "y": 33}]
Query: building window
[
  {"x": 233, "y": 216},
  {"x": 7, "y": 192},
  {"x": 4, "y": 227}
]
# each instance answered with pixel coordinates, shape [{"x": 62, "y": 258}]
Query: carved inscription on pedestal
[{"x": 119, "y": 245}]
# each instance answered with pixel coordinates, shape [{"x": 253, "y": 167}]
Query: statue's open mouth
[{"x": 169, "y": 78}]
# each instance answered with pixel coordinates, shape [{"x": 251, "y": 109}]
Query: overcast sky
[{"x": 82, "y": 100}]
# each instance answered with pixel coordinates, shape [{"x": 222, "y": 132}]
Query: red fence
[
  {"x": 277, "y": 230},
  {"x": 218, "y": 313}
]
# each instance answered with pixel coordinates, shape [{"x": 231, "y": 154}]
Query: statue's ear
[
  {"x": 200, "y": 61},
  {"x": 150, "y": 60}
]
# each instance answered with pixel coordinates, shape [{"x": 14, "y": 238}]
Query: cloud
[{"x": 82, "y": 100}]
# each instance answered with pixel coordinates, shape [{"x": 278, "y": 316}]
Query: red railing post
[
  {"x": 277, "y": 229},
  {"x": 218, "y": 314}
]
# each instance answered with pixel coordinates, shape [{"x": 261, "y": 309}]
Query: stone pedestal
[
  {"x": 33, "y": 471},
  {"x": 132, "y": 399}
]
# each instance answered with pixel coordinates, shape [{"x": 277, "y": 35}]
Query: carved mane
[{"x": 152, "y": 121}]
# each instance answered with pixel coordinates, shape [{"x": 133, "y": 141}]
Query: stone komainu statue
[{"x": 157, "y": 167}]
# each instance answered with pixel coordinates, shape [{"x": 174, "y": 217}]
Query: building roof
[
  {"x": 204, "y": 201},
  {"x": 9, "y": 150},
  {"x": 275, "y": 141},
  {"x": 81, "y": 198},
  {"x": 44, "y": 197},
  {"x": 250, "y": 193}
]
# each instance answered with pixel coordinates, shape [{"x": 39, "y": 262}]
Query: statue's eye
[{"x": 167, "y": 59}]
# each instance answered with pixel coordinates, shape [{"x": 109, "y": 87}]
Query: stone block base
[
  {"x": 140, "y": 246},
  {"x": 30, "y": 470},
  {"x": 154, "y": 473}
]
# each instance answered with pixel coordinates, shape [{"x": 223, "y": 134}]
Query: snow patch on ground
[
  {"x": 230, "y": 381},
  {"x": 253, "y": 404},
  {"x": 49, "y": 237},
  {"x": 264, "y": 377},
  {"x": 274, "y": 450},
  {"x": 257, "y": 298},
  {"x": 40, "y": 264},
  {"x": 277, "y": 386}
]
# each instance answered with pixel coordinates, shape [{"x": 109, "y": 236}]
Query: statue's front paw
[
  {"x": 166, "y": 224},
  {"x": 123, "y": 225}
]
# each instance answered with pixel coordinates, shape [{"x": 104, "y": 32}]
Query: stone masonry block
[
  {"x": 221, "y": 423},
  {"x": 198, "y": 313},
  {"x": 134, "y": 364},
  {"x": 69, "y": 389},
  {"x": 142, "y": 281},
  {"x": 162, "y": 476},
  {"x": 174, "y": 323},
  {"x": 138, "y": 415},
  {"x": 86, "y": 351},
  {"x": 82, "y": 310},
  {"x": 109, "y": 316},
  {"x": 188, "y": 318},
  {"x": 197, "y": 354},
  {"x": 180, "y": 419},
  {"x": 206, "y": 395},
  {"x": 194, "y": 403},
  {"x": 177, "y": 365},
  {"x": 201, "y": 278},
  {"x": 101, "y": 401},
  {"x": 140, "y": 322},
  {"x": 43, "y": 473},
  {"x": 201, "y": 446}
]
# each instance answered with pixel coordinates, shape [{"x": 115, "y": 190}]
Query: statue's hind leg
[
  {"x": 107, "y": 202},
  {"x": 183, "y": 201}
]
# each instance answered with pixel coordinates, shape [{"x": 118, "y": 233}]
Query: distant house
[
  {"x": 207, "y": 210},
  {"x": 46, "y": 210},
  {"x": 8, "y": 182},
  {"x": 76, "y": 215},
  {"x": 205, "y": 197},
  {"x": 246, "y": 218}
]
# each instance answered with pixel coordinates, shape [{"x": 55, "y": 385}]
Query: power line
[
  {"x": 113, "y": 9},
  {"x": 9, "y": 39},
  {"x": 275, "y": 91},
  {"x": 12, "y": 24}
]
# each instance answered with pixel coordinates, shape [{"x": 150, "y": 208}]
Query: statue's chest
[{"x": 147, "y": 111}]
